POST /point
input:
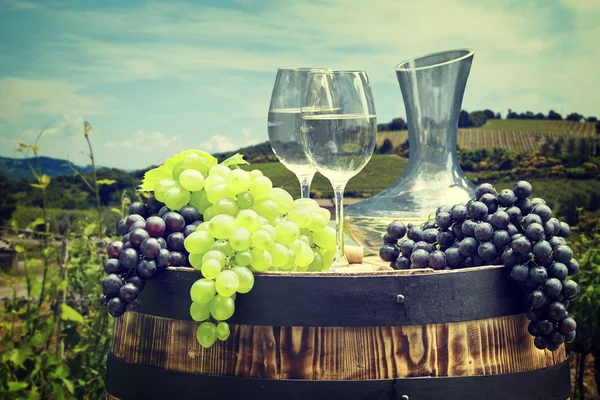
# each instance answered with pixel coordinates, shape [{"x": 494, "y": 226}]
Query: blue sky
[{"x": 155, "y": 78}]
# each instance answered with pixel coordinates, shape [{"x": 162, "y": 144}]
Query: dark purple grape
[
  {"x": 556, "y": 338},
  {"x": 477, "y": 211},
  {"x": 430, "y": 235},
  {"x": 558, "y": 270},
  {"x": 104, "y": 301},
  {"x": 506, "y": 198},
  {"x": 440, "y": 209},
  {"x": 570, "y": 337},
  {"x": 565, "y": 230},
  {"x": 545, "y": 261},
  {"x": 537, "y": 299},
  {"x": 459, "y": 213},
  {"x": 542, "y": 249},
  {"x": 533, "y": 329},
  {"x": 146, "y": 268},
  {"x": 387, "y": 252},
  {"x": 429, "y": 225},
  {"x": 556, "y": 311},
  {"x": 153, "y": 205},
  {"x": 483, "y": 232},
  {"x": 531, "y": 219},
  {"x": 556, "y": 241},
  {"x": 500, "y": 239},
  {"x": 138, "y": 281},
  {"x": 549, "y": 229},
  {"x": 162, "y": 242},
  {"x": 563, "y": 253},
  {"x": 139, "y": 208},
  {"x": 469, "y": 262},
  {"x": 468, "y": 228},
  {"x": 570, "y": 288},
  {"x": 468, "y": 246},
  {"x": 112, "y": 266},
  {"x": 538, "y": 275},
  {"x": 543, "y": 211},
  {"x": 175, "y": 241},
  {"x": 510, "y": 258},
  {"x": 515, "y": 215},
  {"x": 573, "y": 267},
  {"x": 125, "y": 239},
  {"x": 487, "y": 251},
  {"x": 130, "y": 220},
  {"x": 416, "y": 233},
  {"x": 406, "y": 247},
  {"x": 128, "y": 245},
  {"x": 521, "y": 245},
  {"x": 386, "y": 238},
  {"x": 444, "y": 220},
  {"x": 155, "y": 226},
  {"x": 111, "y": 285},
  {"x": 556, "y": 223},
  {"x": 116, "y": 307},
  {"x": 483, "y": 189},
  {"x": 423, "y": 245},
  {"x": 567, "y": 325},
  {"x": 133, "y": 305},
  {"x": 402, "y": 263},
  {"x": 114, "y": 249},
  {"x": 137, "y": 236},
  {"x": 533, "y": 315},
  {"x": 454, "y": 258},
  {"x": 129, "y": 258},
  {"x": 522, "y": 189},
  {"x": 163, "y": 259},
  {"x": 197, "y": 223},
  {"x": 457, "y": 230},
  {"x": 490, "y": 201},
  {"x": 150, "y": 248},
  {"x": 137, "y": 225},
  {"x": 500, "y": 219},
  {"x": 537, "y": 201},
  {"x": 552, "y": 288},
  {"x": 396, "y": 230},
  {"x": 512, "y": 229},
  {"x": 163, "y": 210},
  {"x": 122, "y": 228},
  {"x": 189, "y": 214},
  {"x": 174, "y": 222},
  {"x": 128, "y": 292},
  {"x": 445, "y": 238},
  {"x": 178, "y": 259},
  {"x": 535, "y": 232},
  {"x": 437, "y": 259},
  {"x": 519, "y": 273},
  {"x": 524, "y": 205},
  {"x": 540, "y": 342},
  {"x": 545, "y": 327}
]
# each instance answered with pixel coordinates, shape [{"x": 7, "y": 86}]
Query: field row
[{"x": 566, "y": 128}]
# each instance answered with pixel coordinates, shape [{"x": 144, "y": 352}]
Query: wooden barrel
[{"x": 410, "y": 335}]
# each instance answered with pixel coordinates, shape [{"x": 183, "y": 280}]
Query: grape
[
  {"x": 122, "y": 227},
  {"x": 155, "y": 226},
  {"x": 558, "y": 270},
  {"x": 162, "y": 242},
  {"x": 445, "y": 238},
  {"x": 225, "y": 206},
  {"x": 389, "y": 253},
  {"x": 437, "y": 259},
  {"x": 222, "y": 246},
  {"x": 406, "y": 247},
  {"x": 114, "y": 249},
  {"x": 549, "y": 229},
  {"x": 261, "y": 239},
  {"x": 468, "y": 246},
  {"x": 243, "y": 258},
  {"x": 146, "y": 268},
  {"x": 535, "y": 232},
  {"x": 163, "y": 259},
  {"x": 506, "y": 198},
  {"x": 212, "y": 181},
  {"x": 238, "y": 181},
  {"x": 128, "y": 292},
  {"x": 522, "y": 189},
  {"x": 137, "y": 236},
  {"x": 222, "y": 307},
  {"x": 540, "y": 342},
  {"x": 261, "y": 259},
  {"x": 567, "y": 325},
  {"x": 283, "y": 199},
  {"x": 533, "y": 329},
  {"x": 221, "y": 226},
  {"x": 552, "y": 287},
  {"x": 542, "y": 249},
  {"x": 227, "y": 283},
  {"x": 570, "y": 337},
  {"x": 260, "y": 187},
  {"x": 468, "y": 228},
  {"x": 416, "y": 233},
  {"x": 483, "y": 232},
  {"x": 177, "y": 197},
  {"x": 490, "y": 201},
  {"x": 524, "y": 205},
  {"x": 500, "y": 220},
  {"x": 403, "y": 262},
  {"x": 301, "y": 216},
  {"x": 161, "y": 187},
  {"x": 500, "y": 239},
  {"x": 442, "y": 208},
  {"x": 132, "y": 219},
  {"x": 444, "y": 220},
  {"x": 267, "y": 208},
  {"x": 137, "y": 281},
  {"x": 175, "y": 241},
  {"x": 537, "y": 299},
  {"x": 249, "y": 220},
  {"x": 570, "y": 288},
  {"x": 195, "y": 260},
  {"x": 545, "y": 327},
  {"x": 211, "y": 269},
  {"x": 112, "y": 266},
  {"x": 487, "y": 251},
  {"x": 197, "y": 162},
  {"x": 220, "y": 170},
  {"x": 116, "y": 307},
  {"x": 556, "y": 311},
  {"x": 521, "y": 245},
  {"x": 565, "y": 230},
  {"x": 133, "y": 305},
  {"x": 150, "y": 248},
  {"x": 218, "y": 192},
  {"x": 174, "y": 222},
  {"x": 396, "y": 230},
  {"x": 419, "y": 258},
  {"x": 189, "y": 229},
  {"x": 190, "y": 180},
  {"x": 111, "y": 285},
  {"x": 223, "y": 331},
  {"x": 129, "y": 258},
  {"x": 279, "y": 255},
  {"x": 317, "y": 263},
  {"x": 245, "y": 279},
  {"x": 538, "y": 275},
  {"x": 190, "y": 214},
  {"x": 325, "y": 239},
  {"x": 203, "y": 291},
  {"x": 453, "y": 257},
  {"x": 423, "y": 245},
  {"x": 206, "y": 334},
  {"x": 477, "y": 211},
  {"x": 483, "y": 189},
  {"x": 573, "y": 267},
  {"x": 319, "y": 221},
  {"x": 459, "y": 213},
  {"x": 304, "y": 254},
  {"x": 163, "y": 211},
  {"x": 543, "y": 211},
  {"x": 556, "y": 338},
  {"x": 153, "y": 205},
  {"x": 199, "y": 200},
  {"x": 245, "y": 200},
  {"x": 178, "y": 259},
  {"x": 255, "y": 173},
  {"x": 519, "y": 273},
  {"x": 563, "y": 253},
  {"x": 429, "y": 235},
  {"x": 288, "y": 231},
  {"x": 200, "y": 311}
]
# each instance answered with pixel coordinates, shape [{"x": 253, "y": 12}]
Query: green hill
[{"x": 18, "y": 168}]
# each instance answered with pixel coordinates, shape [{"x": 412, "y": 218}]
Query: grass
[{"x": 567, "y": 128}]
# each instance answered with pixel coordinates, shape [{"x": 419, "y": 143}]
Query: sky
[{"x": 154, "y": 78}]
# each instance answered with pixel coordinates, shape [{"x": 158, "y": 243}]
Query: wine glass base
[{"x": 340, "y": 262}]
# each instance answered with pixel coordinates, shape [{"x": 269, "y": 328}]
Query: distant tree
[
  {"x": 386, "y": 147},
  {"x": 540, "y": 116},
  {"x": 489, "y": 114},
  {"x": 574, "y": 117},
  {"x": 498, "y": 116},
  {"x": 592, "y": 119},
  {"x": 553, "y": 115},
  {"x": 511, "y": 114},
  {"x": 8, "y": 204},
  {"x": 383, "y": 127},
  {"x": 477, "y": 118},
  {"x": 398, "y": 124},
  {"x": 598, "y": 128},
  {"x": 547, "y": 146},
  {"x": 463, "y": 119}
]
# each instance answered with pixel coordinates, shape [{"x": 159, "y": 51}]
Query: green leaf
[
  {"x": 19, "y": 355},
  {"x": 89, "y": 229},
  {"x": 236, "y": 159},
  {"x": 35, "y": 223},
  {"x": 19, "y": 248},
  {"x": 105, "y": 181},
  {"x": 37, "y": 339},
  {"x": 37, "y": 185},
  {"x": 58, "y": 391},
  {"x": 70, "y": 314},
  {"x": 69, "y": 385},
  {"x": 44, "y": 180},
  {"x": 16, "y": 386},
  {"x": 114, "y": 209},
  {"x": 62, "y": 285}
]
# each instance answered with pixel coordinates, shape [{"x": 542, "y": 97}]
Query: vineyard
[{"x": 512, "y": 135}]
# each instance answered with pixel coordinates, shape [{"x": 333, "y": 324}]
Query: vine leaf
[
  {"x": 105, "y": 181},
  {"x": 70, "y": 314},
  {"x": 236, "y": 159}
]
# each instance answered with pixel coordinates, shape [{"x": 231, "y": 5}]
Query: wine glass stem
[
  {"x": 305, "y": 181},
  {"x": 338, "y": 190}
]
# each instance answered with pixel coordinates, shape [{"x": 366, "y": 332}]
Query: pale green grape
[
  {"x": 211, "y": 269},
  {"x": 260, "y": 187},
  {"x": 197, "y": 162},
  {"x": 305, "y": 239},
  {"x": 223, "y": 246},
  {"x": 287, "y": 232},
  {"x": 198, "y": 241},
  {"x": 215, "y": 255},
  {"x": 317, "y": 223},
  {"x": 277, "y": 221},
  {"x": 212, "y": 181},
  {"x": 225, "y": 206},
  {"x": 243, "y": 258},
  {"x": 245, "y": 200},
  {"x": 177, "y": 170},
  {"x": 248, "y": 219},
  {"x": 304, "y": 254},
  {"x": 222, "y": 308},
  {"x": 219, "y": 169},
  {"x": 291, "y": 264},
  {"x": 271, "y": 229},
  {"x": 263, "y": 220},
  {"x": 284, "y": 200},
  {"x": 221, "y": 226},
  {"x": 200, "y": 311},
  {"x": 218, "y": 192},
  {"x": 196, "y": 260},
  {"x": 261, "y": 259},
  {"x": 198, "y": 199},
  {"x": 203, "y": 290},
  {"x": 208, "y": 215},
  {"x": 266, "y": 208},
  {"x": 177, "y": 197},
  {"x": 191, "y": 180},
  {"x": 240, "y": 239},
  {"x": 203, "y": 227},
  {"x": 223, "y": 331},
  {"x": 301, "y": 269},
  {"x": 301, "y": 216},
  {"x": 238, "y": 181},
  {"x": 255, "y": 173},
  {"x": 325, "y": 239},
  {"x": 317, "y": 262},
  {"x": 161, "y": 187},
  {"x": 227, "y": 283},
  {"x": 261, "y": 239},
  {"x": 245, "y": 278},
  {"x": 206, "y": 334},
  {"x": 306, "y": 202},
  {"x": 279, "y": 254},
  {"x": 328, "y": 257},
  {"x": 324, "y": 213}
]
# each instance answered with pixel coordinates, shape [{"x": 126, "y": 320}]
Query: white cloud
[
  {"x": 220, "y": 143},
  {"x": 246, "y": 132},
  {"x": 147, "y": 142}
]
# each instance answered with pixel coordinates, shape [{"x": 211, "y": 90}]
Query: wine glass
[
  {"x": 339, "y": 130},
  {"x": 284, "y": 123}
]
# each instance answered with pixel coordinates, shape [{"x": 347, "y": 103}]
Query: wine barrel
[{"x": 410, "y": 335}]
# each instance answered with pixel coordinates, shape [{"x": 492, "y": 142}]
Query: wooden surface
[{"x": 489, "y": 346}]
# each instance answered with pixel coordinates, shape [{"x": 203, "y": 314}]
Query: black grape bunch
[
  {"x": 152, "y": 238},
  {"x": 499, "y": 228}
]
